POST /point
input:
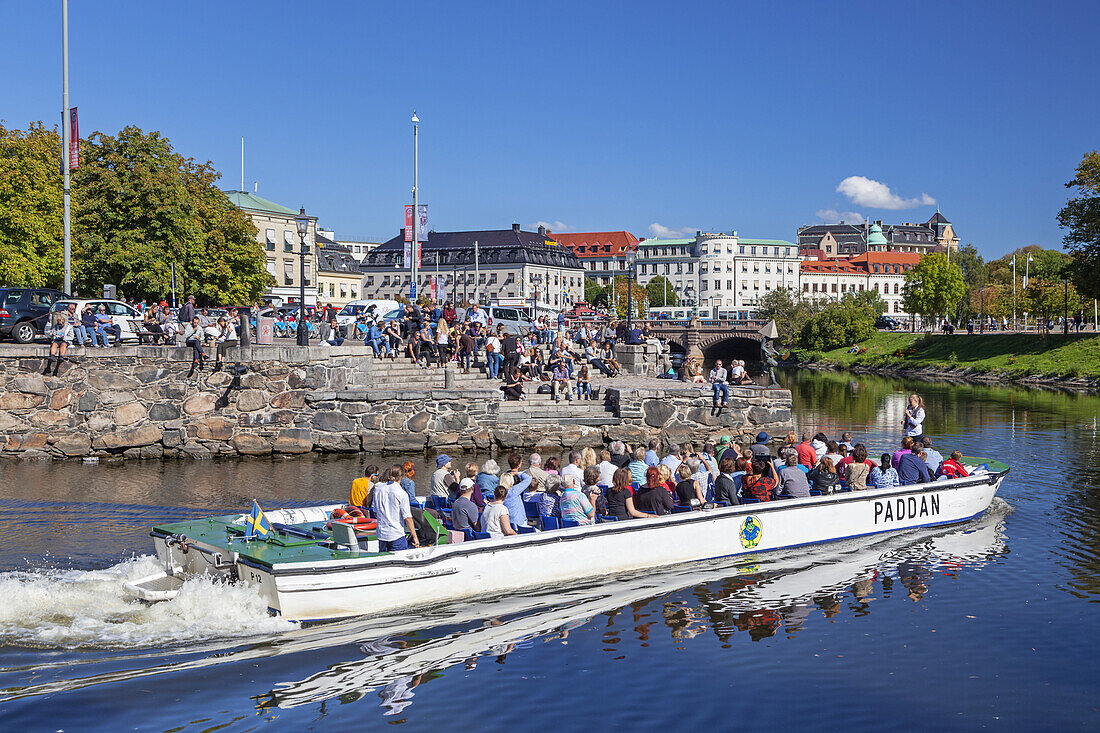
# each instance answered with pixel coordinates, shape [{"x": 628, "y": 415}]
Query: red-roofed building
[
  {"x": 883, "y": 272},
  {"x": 602, "y": 253}
]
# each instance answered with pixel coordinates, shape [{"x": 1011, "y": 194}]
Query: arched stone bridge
[{"x": 698, "y": 334}]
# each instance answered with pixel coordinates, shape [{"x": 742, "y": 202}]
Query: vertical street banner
[
  {"x": 422, "y": 223},
  {"x": 407, "y": 261},
  {"x": 74, "y": 140}
]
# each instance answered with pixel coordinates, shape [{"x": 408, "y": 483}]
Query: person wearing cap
[
  {"x": 760, "y": 447},
  {"x": 464, "y": 513},
  {"x": 187, "y": 312},
  {"x": 723, "y": 446},
  {"x": 443, "y": 477}
]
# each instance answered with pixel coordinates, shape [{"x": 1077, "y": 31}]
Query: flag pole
[{"x": 66, "y": 138}]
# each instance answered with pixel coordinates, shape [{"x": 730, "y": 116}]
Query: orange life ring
[{"x": 355, "y": 517}]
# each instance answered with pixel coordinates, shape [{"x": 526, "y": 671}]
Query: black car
[
  {"x": 886, "y": 322},
  {"x": 24, "y": 312}
]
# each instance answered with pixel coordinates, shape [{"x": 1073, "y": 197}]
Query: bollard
[{"x": 449, "y": 377}]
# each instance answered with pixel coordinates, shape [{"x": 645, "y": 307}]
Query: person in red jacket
[
  {"x": 807, "y": 456},
  {"x": 953, "y": 467}
]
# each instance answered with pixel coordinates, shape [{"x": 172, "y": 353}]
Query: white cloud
[
  {"x": 866, "y": 192},
  {"x": 832, "y": 216},
  {"x": 662, "y": 232},
  {"x": 554, "y": 226}
]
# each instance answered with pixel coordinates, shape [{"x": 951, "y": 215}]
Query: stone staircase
[{"x": 401, "y": 378}]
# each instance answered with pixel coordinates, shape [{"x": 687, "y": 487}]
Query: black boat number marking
[
  {"x": 255, "y": 577},
  {"x": 897, "y": 510}
]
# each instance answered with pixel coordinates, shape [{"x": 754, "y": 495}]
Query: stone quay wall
[{"x": 136, "y": 402}]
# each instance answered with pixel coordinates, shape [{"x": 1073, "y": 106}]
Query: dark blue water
[{"x": 992, "y": 624}]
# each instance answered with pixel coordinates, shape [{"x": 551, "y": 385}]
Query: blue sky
[{"x": 643, "y": 116}]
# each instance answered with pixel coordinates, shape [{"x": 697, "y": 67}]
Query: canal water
[{"x": 990, "y": 624}]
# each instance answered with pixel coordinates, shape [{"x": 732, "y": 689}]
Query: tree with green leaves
[
  {"x": 594, "y": 294},
  {"x": 143, "y": 206},
  {"x": 842, "y": 323},
  {"x": 975, "y": 276},
  {"x": 933, "y": 286},
  {"x": 639, "y": 298},
  {"x": 995, "y": 299},
  {"x": 1081, "y": 216},
  {"x": 30, "y": 207},
  {"x": 1049, "y": 299},
  {"x": 661, "y": 293},
  {"x": 869, "y": 299},
  {"x": 789, "y": 311}
]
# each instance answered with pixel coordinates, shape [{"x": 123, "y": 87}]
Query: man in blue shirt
[
  {"x": 933, "y": 457},
  {"x": 377, "y": 340},
  {"x": 913, "y": 470},
  {"x": 651, "y": 457}
]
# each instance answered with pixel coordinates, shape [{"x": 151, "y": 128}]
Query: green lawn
[{"x": 1014, "y": 354}]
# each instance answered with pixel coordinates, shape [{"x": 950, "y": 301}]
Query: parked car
[
  {"x": 24, "y": 312},
  {"x": 125, "y": 316},
  {"x": 350, "y": 312},
  {"x": 887, "y": 323}
]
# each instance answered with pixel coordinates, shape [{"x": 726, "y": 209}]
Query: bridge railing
[{"x": 731, "y": 324}]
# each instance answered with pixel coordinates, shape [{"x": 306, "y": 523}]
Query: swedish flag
[{"x": 257, "y": 524}]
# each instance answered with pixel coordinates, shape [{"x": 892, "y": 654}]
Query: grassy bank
[{"x": 1015, "y": 355}]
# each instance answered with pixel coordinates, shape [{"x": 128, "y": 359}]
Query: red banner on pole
[
  {"x": 408, "y": 222},
  {"x": 74, "y": 140}
]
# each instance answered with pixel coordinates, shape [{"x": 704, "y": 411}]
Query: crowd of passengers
[{"x": 621, "y": 483}]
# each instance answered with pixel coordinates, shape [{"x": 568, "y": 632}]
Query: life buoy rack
[{"x": 355, "y": 517}]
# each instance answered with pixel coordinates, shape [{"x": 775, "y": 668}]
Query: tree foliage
[
  {"x": 137, "y": 207},
  {"x": 594, "y": 294},
  {"x": 789, "y": 311},
  {"x": 1081, "y": 216},
  {"x": 145, "y": 206},
  {"x": 995, "y": 299},
  {"x": 639, "y": 298},
  {"x": 842, "y": 323},
  {"x": 870, "y": 299},
  {"x": 30, "y": 207},
  {"x": 661, "y": 293},
  {"x": 933, "y": 286},
  {"x": 1048, "y": 299}
]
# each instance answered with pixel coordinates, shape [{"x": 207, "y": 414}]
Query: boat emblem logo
[{"x": 751, "y": 531}]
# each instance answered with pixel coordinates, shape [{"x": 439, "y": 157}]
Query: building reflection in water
[{"x": 756, "y": 601}]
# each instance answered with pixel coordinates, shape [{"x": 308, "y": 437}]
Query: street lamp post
[
  {"x": 302, "y": 222},
  {"x": 981, "y": 326},
  {"x": 689, "y": 296},
  {"x": 1065, "y": 306},
  {"x": 630, "y": 293},
  {"x": 416, "y": 206}
]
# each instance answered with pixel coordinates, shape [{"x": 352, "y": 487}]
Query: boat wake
[{"x": 74, "y": 609}]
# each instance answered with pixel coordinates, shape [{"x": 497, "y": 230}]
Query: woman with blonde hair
[
  {"x": 588, "y": 458},
  {"x": 913, "y": 423}
]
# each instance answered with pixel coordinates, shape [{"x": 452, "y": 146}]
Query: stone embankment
[{"x": 136, "y": 402}]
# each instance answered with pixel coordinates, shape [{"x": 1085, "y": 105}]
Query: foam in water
[{"x": 74, "y": 609}]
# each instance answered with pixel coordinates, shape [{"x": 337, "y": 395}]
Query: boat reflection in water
[{"x": 782, "y": 591}]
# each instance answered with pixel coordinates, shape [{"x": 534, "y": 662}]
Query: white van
[
  {"x": 350, "y": 312},
  {"x": 124, "y": 316},
  {"x": 514, "y": 320}
]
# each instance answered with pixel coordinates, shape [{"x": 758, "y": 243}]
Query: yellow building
[
  {"x": 338, "y": 275},
  {"x": 277, "y": 231}
]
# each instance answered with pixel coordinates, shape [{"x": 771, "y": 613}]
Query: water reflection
[{"x": 755, "y": 600}]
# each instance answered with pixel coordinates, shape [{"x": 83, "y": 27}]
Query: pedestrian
[{"x": 394, "y": 515}]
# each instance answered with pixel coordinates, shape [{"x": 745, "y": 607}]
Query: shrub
[{"x": 841, "y": 324}]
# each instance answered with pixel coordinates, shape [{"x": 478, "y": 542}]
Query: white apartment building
[{"x": 277, "y": 232}]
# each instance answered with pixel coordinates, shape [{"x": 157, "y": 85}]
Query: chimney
[
  {"x": 542, "y": 230},
  {"x": 515, "y": 228}
]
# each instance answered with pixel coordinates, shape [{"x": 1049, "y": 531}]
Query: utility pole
[
  {"x": 66, "y": 129},
  {"x": 1013, "y": 291},
  {"x": 416, "y": 205},
  {"x": 477, "y": 275}
]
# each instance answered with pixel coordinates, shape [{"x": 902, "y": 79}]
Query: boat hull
[{"x": 414, "y": 578}]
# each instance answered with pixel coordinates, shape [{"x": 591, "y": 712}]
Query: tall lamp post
[
  {"x": 303, "y": 227},
  {"x": 689, "y": 297},
  {"x": 630, "y": 293},
  {"x": 416, "y": 206},
  {"x": 1065, "y": 305},
  {"x": 981, "y": 327}
]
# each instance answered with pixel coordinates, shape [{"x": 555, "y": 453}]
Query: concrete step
[{"x": 587, "y": 421}]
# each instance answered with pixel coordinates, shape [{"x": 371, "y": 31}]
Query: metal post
[
  {"x": 1065, "y": 307},
  {"x": 630, "y": 301},
  {"x": 981, "y": 328},
  {"x": 66, "y": 127},
  {"x": 1013, "y": 291},
  {"x": 477, "y": 275},
  {"x": 303, "y": 327},
  {"x": 416, "y": 205},
  {"x": 173, "y": 284}
]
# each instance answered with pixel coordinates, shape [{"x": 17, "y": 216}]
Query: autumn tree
[
  {"x": 1081, "y": 216},
  {"x": 933, "y": 286},
  {"x": 639, "y": 299},
  {"x": 1049, "y": 299}
]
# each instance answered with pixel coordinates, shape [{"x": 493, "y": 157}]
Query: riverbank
[{"x": 1056, "y": 360}]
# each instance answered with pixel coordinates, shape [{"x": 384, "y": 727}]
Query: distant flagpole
[{"x": 66, "y": 141}]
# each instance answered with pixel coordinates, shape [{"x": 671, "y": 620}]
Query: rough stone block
[
  {"x": 355, "y": 408},
  {"x": 294, "y": 440},
  {"x": 657, "y": 412},
  {"x": 150, "y": 451},
  {"x": 172, "y": 438},
  {"x": 87, "y": 402},
  {"x": 27, "y": 441},
  {"x": 196, "y": 450},
  {"x": 129, "y": 413},
  {"x": 251, "y": 445},
  {"x": 104, "y": 379},
  {"x": 289, "y": 400},
  {"x": 30, "y": 384},
  {"x": 20, "y": 401},
  {"x": 49, "y": 418},
  {"x": 337, "y": 442},
  {"x": 164, "y": 411},
  {"x": 128, "y": 438},
  {"x": 250, "y": 400},
  {"x": 213, "y": 428},
  {"x": 74, "y": 445},
  {"x": 405, "y": 442},
  {"x": 199, "y": 404},
  {"x": 333, "y": 422}
]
